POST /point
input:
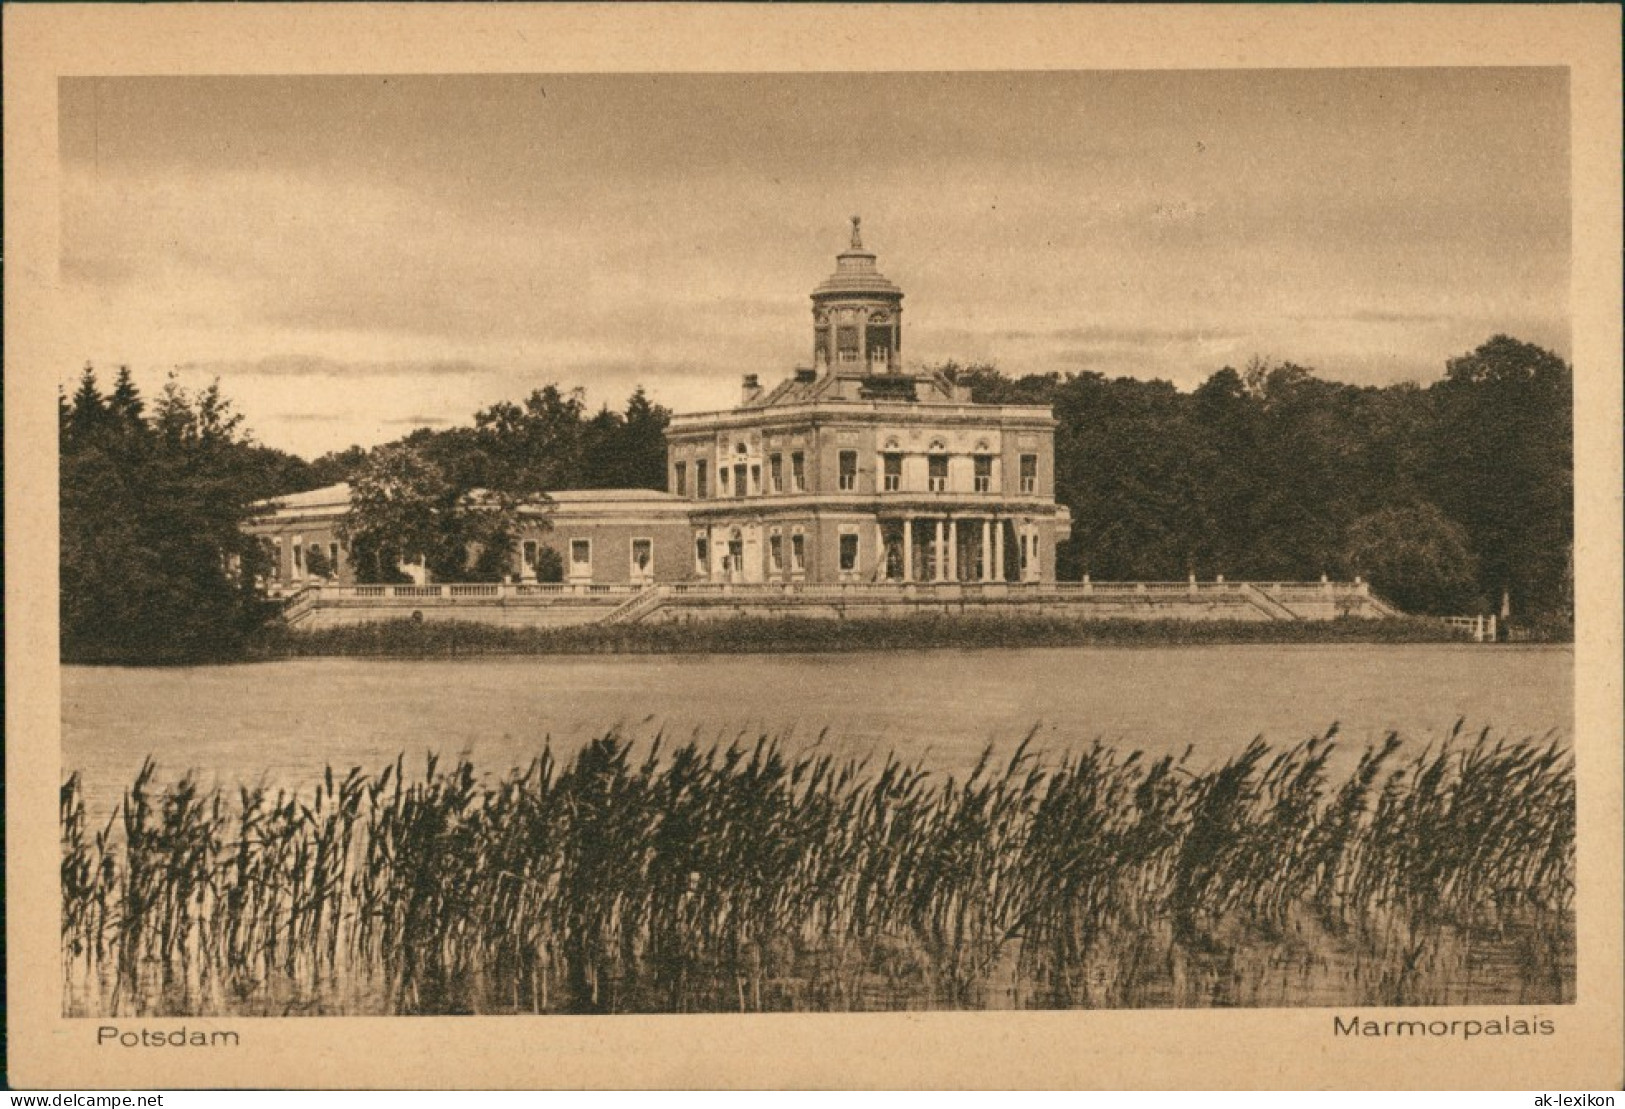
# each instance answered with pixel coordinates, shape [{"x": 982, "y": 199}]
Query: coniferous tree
[{"x": 155, "y": 565}]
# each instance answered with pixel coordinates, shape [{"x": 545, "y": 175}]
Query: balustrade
[{"x": 1282, "y": 594}]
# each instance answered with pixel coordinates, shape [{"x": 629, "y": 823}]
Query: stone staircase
[
  {"x": 298, "y": 607},
  {"x": 1268, "y": 605},
  {"x": 637, "y": 606}
]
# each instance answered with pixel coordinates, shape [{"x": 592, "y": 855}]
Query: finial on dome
[{"x": 857, "y": 238}]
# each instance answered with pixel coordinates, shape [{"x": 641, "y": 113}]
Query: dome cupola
[{"x": 857, "y": 315}]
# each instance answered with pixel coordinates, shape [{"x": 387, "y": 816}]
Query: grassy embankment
[
  {"x": 747, "y": 635},
  {"x": 750, "y": 878}
]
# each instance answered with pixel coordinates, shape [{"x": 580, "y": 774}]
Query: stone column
[
  {"x": 938, "y": 569},
  {"x": 908, "y": 548},
  {"x": 953, "y": 549},
  {"x": 998, "y": 549},
  {"x": 987, "y": 550}
]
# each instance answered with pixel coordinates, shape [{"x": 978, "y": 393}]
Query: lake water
[{"x": 283, "y": 722}]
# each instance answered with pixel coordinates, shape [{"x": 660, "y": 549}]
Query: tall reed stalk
[{"x": 750, "y": 877}]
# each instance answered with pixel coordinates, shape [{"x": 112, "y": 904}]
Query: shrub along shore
[
  {"x": 748, "y": 635},
  {"x": 752, "y": 877}
]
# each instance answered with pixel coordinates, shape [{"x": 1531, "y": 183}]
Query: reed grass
[
  {"x": 750, "y": 877},
  {"x": 757, "y": 635}
]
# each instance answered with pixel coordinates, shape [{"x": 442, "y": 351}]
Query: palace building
[{"x": 853, "y": 469}]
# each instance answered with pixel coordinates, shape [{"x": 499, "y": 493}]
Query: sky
[{"x": 353, "y": 257}]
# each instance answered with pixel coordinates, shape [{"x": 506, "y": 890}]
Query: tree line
[
  {"x": 155, "y": 564},
  {"x": 1447, "y": 498}
]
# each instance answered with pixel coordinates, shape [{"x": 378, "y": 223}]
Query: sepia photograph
[{"x": 588, "y": 541}]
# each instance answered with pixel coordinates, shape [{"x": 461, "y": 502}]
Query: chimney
[
  {"x": 806, "y": 375},
  {"x": 751, "y": 391}
]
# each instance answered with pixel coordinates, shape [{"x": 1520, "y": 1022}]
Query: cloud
[
  {"x": 1374, "y": 316},
  {"x": 1178, "y": 211},
  {"x": 1108, "y": 335},
  {"x": 318, "y": 366},
  {"x": 310, "y": 417},
  {"x": 365, "y": 251}
]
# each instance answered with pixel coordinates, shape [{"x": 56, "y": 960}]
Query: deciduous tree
[{"x": 1415, "y": 556}]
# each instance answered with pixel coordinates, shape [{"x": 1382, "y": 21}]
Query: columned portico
[{"x": 953, "y": 547}]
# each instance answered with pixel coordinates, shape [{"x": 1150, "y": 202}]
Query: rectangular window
[
  {"x": 775, "y": 473},
  {"x": 846, "y": 342},
  {"x": 333, "y": 559},
  {"x": 298, "y": 560},
  {"x": 893, "y": 464},
  {"x": 700, "y": 489},
  {"x": 775, "y": 553},
  {"x": 680, "y": 479},
  {"x": 643, "y": 559},
  {"x": 849, "y": 553},
  {"x": 984, "y": 473},
  {"x": 849, "y": 470},
  {"x": 938, "y": 474},
  {"x": 756, "y": 477},
  {"x": 1029, "y": 473},
  {"x": 724, "y": 475},
  {"x": 530, "y": 554},
  {"x": 580, "y": 555},
  {"x": 739, "y": 480},
  {"x": 798, "y": 553},
  {"x": 702, "y": 555},
  {"x": 276, "y": 559},
  {"x": 798, "y": 472}
]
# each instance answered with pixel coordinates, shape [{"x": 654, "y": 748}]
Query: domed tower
[{"x": 857, "y": 315}]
